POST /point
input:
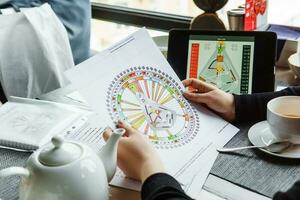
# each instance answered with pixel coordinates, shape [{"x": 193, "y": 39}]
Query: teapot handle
[{"x": 11, "y": 171}]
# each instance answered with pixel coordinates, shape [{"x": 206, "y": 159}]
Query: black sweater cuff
[
  {"x": 254, "y": 107},
  {"x": 292, "y": 194},
  {"x": 162, "y": 186}
]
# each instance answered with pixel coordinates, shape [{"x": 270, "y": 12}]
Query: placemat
[
  {"x": 254, "y": 169},
  {"x": 9, "y": 187}
]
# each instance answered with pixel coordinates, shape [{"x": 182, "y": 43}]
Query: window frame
[{"x": 138, "y": 17}]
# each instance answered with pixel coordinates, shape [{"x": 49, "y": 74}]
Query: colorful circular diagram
[{"x": 151, "y": 101}]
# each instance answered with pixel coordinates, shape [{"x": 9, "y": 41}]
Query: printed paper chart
[{"x": 151, "y": 101}]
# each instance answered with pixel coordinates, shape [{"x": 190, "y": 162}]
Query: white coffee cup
[
  {"x": 283, "y": 116},
  {"x": 294, "y": 63}
]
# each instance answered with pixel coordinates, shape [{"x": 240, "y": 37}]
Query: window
[
  {"x": 173, "y": 7},
  {"x": 280, "y": 12},
  {"x": 121, "y": 17},
  {"x": 113, "y": 32},
  {"x": 180, "y": 7},
  {"x": 284, "y": 12}
]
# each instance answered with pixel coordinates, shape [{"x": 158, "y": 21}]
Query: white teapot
[{"x": 68, "y": 171}]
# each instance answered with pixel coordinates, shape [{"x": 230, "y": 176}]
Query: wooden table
[{"x": 120, "y": 193}]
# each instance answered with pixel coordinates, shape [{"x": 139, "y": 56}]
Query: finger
[
  {"x": 201, "y": 86},
  {"x": 127, "y": 127},
  {"x": 107, "y": 133},
  {"x": 191, "y": 82},
  {"x": 198, "y": 97}
]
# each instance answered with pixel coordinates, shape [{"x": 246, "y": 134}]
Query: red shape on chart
[{"x": 194, "y": 60}]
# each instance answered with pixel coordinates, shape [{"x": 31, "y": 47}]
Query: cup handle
[{"x": 11, "y": 171}]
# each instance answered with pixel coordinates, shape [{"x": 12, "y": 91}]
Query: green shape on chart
[
  {"x": 171, "y": 91},
  {"x": 119, "y": 98},
  {"x": 171, "y": 137}
]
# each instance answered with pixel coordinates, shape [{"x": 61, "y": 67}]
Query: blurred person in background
[{"x": 75, "y": 15}]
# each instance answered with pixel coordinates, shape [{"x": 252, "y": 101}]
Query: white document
[
  {"x": 66, "y": 95},
  {"x": 132, "y": 81},
  {"x": 87, "y": 129},
  {"x": 200, "y": 168}
]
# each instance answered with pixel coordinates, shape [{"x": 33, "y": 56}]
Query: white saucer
[{"x": 260, "y": 132}]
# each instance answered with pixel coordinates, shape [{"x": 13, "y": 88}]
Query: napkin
[{"x": 34, "y": 52}]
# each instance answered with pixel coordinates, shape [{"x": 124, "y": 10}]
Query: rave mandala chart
[{"x": 150, "y": 100}]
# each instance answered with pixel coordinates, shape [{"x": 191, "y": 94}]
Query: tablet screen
[{"x": 224, "y": 61}]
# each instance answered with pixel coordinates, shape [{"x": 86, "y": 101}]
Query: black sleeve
[
  {"x": 162, "y": 186},
  {"x": 292, "y": 194},
  {"x": 254, "y": 106}
]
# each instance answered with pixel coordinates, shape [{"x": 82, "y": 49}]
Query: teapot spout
[{"x": 108, "y": 153}]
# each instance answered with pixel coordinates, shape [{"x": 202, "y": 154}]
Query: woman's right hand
[
  {"x": 217, "y": 100},
  {"x": 137, "y": 157}
]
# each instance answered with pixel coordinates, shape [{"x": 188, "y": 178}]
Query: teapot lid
[{"x": 61, "y": 153}]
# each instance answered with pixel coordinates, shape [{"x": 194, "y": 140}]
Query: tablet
[{"x": 238, "y": 62}]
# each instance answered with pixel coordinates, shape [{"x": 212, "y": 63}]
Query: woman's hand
[
  {"x": 217, "y": 100},
  {"x": 136, "y": 156}
]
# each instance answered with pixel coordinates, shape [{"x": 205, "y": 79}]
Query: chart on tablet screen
[{"x": 224, "y": 61}]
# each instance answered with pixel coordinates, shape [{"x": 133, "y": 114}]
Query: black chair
[{"x": 3, "y": 98}]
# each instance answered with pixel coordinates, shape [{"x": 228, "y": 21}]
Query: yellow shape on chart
[
  {"x": 166, "y": 99},
  {"x": 133, "y": 116},
  {"x": 138, "y": 122},
  {"x": 181, "y": 104},
  {"x": 132, "y": 87},
  {"x": 153, "y": 137},
  {"x": 160, "y": 94},
  {"x": 219, "y": 68}
]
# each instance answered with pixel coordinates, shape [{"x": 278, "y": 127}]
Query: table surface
[{"x": 284, "y": 76}]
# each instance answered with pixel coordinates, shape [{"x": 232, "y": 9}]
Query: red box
[{"x": 256, "y": 15}]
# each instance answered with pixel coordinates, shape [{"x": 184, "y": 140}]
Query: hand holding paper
[
  {"x": 216, "y": 99},
  {"x": 136, "y": 156}
]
